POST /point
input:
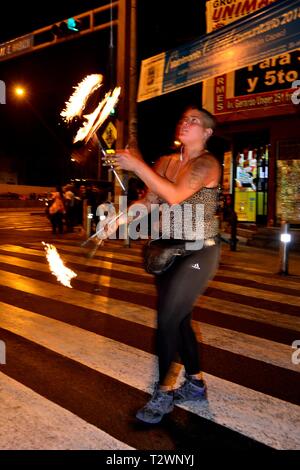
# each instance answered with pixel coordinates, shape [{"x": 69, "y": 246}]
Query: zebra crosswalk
[
  {"x": 22, "y": 222},
  {"x": 81, "y": 361}
]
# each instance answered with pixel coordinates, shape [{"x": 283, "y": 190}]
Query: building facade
[{"x": 258, "y": 111}]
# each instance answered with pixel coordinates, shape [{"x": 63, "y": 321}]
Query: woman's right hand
[{"x": 128, "y": 159}]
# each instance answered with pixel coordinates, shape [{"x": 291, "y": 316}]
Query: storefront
[
  {"x": 262, "y": 168},
  {"x": 258, "y": 113}
]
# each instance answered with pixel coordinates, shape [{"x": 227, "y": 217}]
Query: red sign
[{"x": 254, "y": 101}]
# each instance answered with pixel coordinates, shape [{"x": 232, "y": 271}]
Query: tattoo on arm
[{"x": 199, "y": 172}]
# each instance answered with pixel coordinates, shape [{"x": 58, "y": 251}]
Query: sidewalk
[{"x": 260, "y": 259}]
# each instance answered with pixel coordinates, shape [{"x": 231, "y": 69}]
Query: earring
[{"x": 181, "y": 153}]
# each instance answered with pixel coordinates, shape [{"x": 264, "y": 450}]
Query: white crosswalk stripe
[{"x": 37, "y": 312}]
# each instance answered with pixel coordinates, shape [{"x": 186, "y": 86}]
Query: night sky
[{"x": 33, "y": 138}]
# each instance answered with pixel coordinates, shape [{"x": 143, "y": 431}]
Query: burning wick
[
  {"x": 77, "y": 103},
  {"x": 63, "y": 274}
]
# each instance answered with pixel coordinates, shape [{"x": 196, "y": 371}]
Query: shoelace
[{"x": 157, "y": 398}]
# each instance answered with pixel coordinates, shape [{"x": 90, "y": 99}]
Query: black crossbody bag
[{"x": 160, "y": 254}]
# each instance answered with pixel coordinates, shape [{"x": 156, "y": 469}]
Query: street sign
[
  {"x": 109, "y": 135},
  {"x": 16, "y": 46}
]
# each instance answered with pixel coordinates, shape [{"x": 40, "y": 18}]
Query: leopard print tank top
[{"x": 195, "y": 218}]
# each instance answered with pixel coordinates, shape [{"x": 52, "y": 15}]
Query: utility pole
[
  {"x": 132, "y": 114},
  {"x": 127, "y": 74},
  {"x": 123, "y": 46}
]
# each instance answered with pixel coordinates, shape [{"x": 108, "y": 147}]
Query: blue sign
[{"x": 272, "y": 31}]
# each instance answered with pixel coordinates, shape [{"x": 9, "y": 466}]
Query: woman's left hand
[{"x": 127, "y": 159}]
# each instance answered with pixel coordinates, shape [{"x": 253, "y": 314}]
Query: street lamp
[
  {"x": 19, "y": 91},
  {"x": 22, "y": 93}
]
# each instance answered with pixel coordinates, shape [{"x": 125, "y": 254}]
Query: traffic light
[
  {"x": 65, "y": 28},
  {"x": 73, "y": 25}
]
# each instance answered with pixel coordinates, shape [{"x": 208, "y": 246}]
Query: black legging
[{"x": 178, "y": 289}]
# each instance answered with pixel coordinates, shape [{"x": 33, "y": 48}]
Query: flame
[
  {"x": 76, "y": 104},
  {"x": 63, "y": 274},
  {"x": 97, "y": 117},
  {"x": 88, "y": 124}
]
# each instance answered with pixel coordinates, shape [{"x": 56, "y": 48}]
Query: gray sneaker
[
  {"x": 190, "y": 390},
  {"x": 160, "y": 404}
]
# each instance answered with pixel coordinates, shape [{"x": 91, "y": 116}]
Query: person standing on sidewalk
[
  {"x": 57, "y": 211},
  {"x": 189, "y": 177}
]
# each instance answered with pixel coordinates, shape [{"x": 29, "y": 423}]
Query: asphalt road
[{"x": 80, "y": 361}]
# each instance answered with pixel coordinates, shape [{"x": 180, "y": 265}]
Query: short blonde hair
[{"x": 209, "y": 119}]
